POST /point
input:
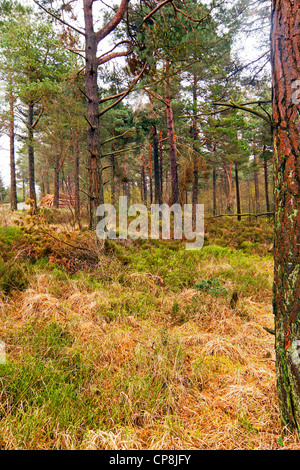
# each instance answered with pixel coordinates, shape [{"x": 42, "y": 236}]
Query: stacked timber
[{"x": 65, "y": 200}]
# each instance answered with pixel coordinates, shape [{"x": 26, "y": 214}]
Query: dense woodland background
[
  {"x": 142, "y": 344},
  {"x": 167, "y": 140}
]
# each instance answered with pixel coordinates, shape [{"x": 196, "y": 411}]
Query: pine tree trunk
[
  {"x": 142, "y": 185},
  {"x": 56, "y": 183},
  {"x": 285, "y": 59},
  {"x": 195, "y": 190},
  {"x": 157, "y": 194},
  {"x": 31, "y": 171},
  {"x": 76, "y": 178},
  {"x": 228, "y": 188},
  {"x": 47, "y": 182},
  {"x": 237, "y": 187},
  {"x": 256, "y": 185},
  {"x": 13, "y": 180},
  {"x": 172, "y": 141},
  {"x": 150, "y": 174},
  {"x": 161, "y": 165},
  {"x": 266, "y": 178},
  {"x": 113, "y": 171},
  {"x": 96, "y": 196},
  {"x": 214, "y": 191}
]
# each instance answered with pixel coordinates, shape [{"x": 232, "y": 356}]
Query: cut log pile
[{"x": 65, "y": 200}]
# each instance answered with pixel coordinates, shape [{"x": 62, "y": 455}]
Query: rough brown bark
[
  {"x": 228, "y": 180},
  {"x": 195, "y": 190},
  {"x": 113, "y": 171},
  {"x": 237, "y": 187},
  {"x": 161, "y": 165},
  {"x": 143, "y": 180},
  {"x": 256, "y": 185},
  {"x": 92, "y": 40},
  {"x": 76, "y": 178},
  {"x": 214, "y": 191},
  {"x": 92, "y": 105},
  {"x": 56, "y": 183},
  {"x": 157, "y": 192},
  {"x": 150, "y": 174},
  {"x": 13, "y": 180},
  {"x": 172, "y": 141},
  {"x": 266, "y": 178},
  {"x": 285, "y": 58},
  {"x": 31, "y": 171}
]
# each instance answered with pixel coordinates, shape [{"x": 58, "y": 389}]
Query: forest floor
[{"x": 134, "y": 345}]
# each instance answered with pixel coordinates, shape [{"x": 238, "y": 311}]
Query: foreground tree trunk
[
  {"x": 92, "y": 62},
  {"x": 92, "y": 105},
  {"x": 285, "y": 57}
]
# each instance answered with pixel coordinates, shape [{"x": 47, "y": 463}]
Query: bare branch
[
  {"x": 113, "y": 55},
  {"x": 112, "y": 97},
  {"x": 58, "y": 18},
  {"x": 116, "y": 137},
  {"x": 115, "y": 46}
]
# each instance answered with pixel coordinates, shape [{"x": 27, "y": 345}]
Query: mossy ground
[{"x": 117, "y": 347}]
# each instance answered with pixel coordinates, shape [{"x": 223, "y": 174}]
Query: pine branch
[
  {"x": 121, "y": 151},
  {"x": 124, "y": 94},
  {"x": 196, "y": 20},
  {"x": 115, "y": 46},
  {"x": 233, "y": 105},
  {"x": 113, "y": 23},
  {"x": 157, "y": 96}
]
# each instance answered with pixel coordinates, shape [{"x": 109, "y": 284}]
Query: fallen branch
[{"x": 269, "y": 330}]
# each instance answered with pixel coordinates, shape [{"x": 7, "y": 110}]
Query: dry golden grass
[{"x": 214, "y": 373}]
